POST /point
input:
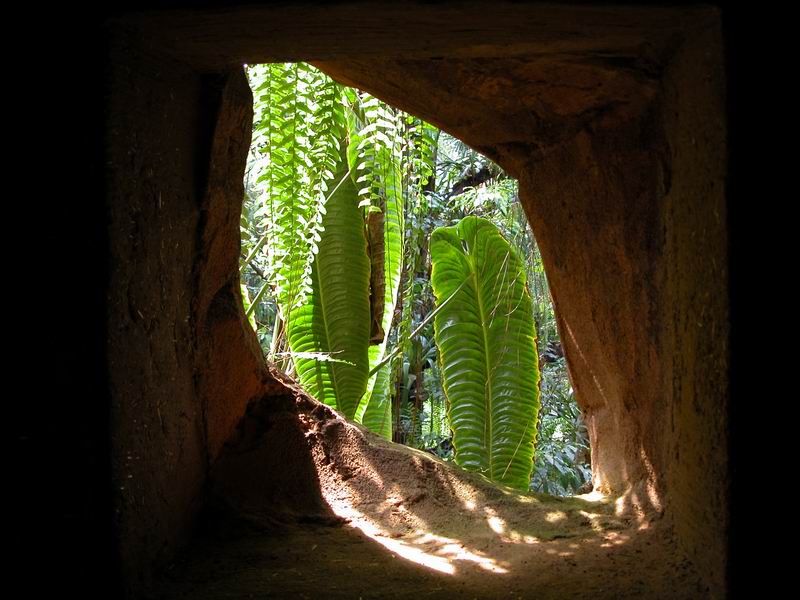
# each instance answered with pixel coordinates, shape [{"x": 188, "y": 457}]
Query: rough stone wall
[
  {"x": 230, "y": 369},
  {"x": 696, "y": 319},
  {"x": 183, "y": 361},
  {"x": 595, "y": 207},
  {"x": 155, "y": 126}
]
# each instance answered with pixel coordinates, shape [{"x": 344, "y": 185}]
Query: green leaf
[
  {"x": 379, "y": 166},
  {"x": 251, "y": 318},
  {"x": 487, "y": 349},
  {"x": 378, "y": 414},
  {"x": 335, "y": 317}
]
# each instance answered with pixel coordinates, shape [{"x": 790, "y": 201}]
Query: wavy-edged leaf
[
  {"x": 487, "y": 350},
  {"x": 334, "y": 319}
]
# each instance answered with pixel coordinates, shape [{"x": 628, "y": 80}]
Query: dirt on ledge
[{"x": 394, "y": 522}]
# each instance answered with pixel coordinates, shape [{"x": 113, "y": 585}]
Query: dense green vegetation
[
  {"x": 343, "y": 195},
  {"x": 487, "y": 350}
]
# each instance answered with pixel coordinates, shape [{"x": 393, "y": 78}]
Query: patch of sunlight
[
  {"x": 496, "y": 524},
  {"x": 555, "y": 516},
  {"x": 407, "y": 551},
  {"x": 515, "y": 537},
  {"x": 527, "y": 499},
  {"x": 499, "y": 526},
  {"x": 593, "y": 523},
  {"x": 652, "y": 492},
  {"x": 613, "y": 538},
  {"x": 516, "y": 494},
  {"x": 630, "y": 503},
  {"x": 529, "y": 539},
  {"x": 619, "y": 503},
  {"x": 593, "y": 496},
  {"x": 470, "y": 505},
  {"x": 424, "y": 548},
  {"x": 562, "y": 553}
]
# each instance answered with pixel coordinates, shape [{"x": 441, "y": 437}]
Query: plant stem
[{"x": 414, "y": 333}]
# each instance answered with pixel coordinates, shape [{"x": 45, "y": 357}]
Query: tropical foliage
[
  {"x": 342, "y": 195},
  {"x": 487, "y": 350},
  {"x": 328, "y": 333},
  {"x": 562, "y": 459},
  {"x": 331, "y": 170}
]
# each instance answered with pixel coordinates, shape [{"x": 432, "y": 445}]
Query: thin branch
[
  {"x": 414, "y": 333},
  {"x": 472, "y": 179},
  {"x": 257, "y": 299}
]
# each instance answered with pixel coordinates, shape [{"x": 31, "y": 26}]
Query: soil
[{"x": 400, "y": 523}]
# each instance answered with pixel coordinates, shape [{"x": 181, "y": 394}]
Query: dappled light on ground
[
  {"x": 421, "y": 547},
  {"x": 408, "y": 525}
]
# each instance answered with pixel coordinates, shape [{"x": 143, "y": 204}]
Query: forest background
[{"x": 411, "y": 179}]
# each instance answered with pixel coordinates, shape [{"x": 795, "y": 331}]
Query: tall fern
[
  {"x": 375, "y": 156},
  {"x": 299, "y": 124},
  {"x": 303, "y": 121}
]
